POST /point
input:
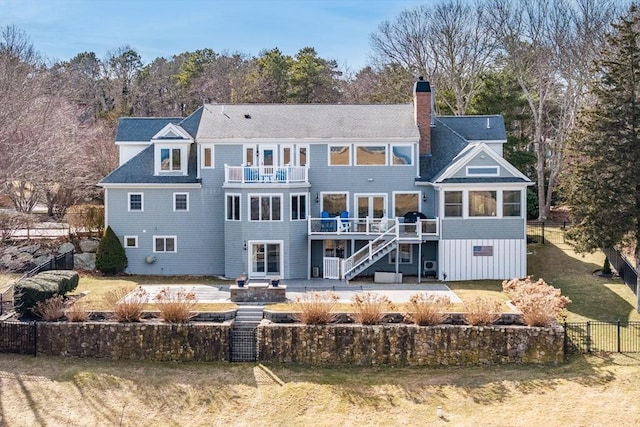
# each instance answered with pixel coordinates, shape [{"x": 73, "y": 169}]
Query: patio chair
[
  {"x": 327, "y": 223},
  {"x": 343, "y": 222}
]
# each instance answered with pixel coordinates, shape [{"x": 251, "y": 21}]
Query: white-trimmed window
[
  {"x": 405, "y": 202},
  {"x": 371, "y": 155},
  {"x": 483, "y": 203},
  {"x": 303, "y": 155},
  {"x": 402, "y": 155},
  {"x": 232, "y": 207},
  {"x": 165, "y": 244},
  {"x": 339, "y": 155},
  {"x": 453, "y": 204},
  {"x": 135, "y": 202},
  {"x": 130, "y": 242},
  {"x": 206, "y": 155},
  {"x": 170, "y": 159},
  {"x": 483, "y": 171},
  {"x": 406, "y": 254},
  {"x": 511, "y": 203},
  {"x": 298, "y": 207},
  {"x": 265, "y": 207},
  {"x": 180, "y": 202}
]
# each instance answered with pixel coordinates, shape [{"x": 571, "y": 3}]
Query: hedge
[{"x": 32, "y": 290}]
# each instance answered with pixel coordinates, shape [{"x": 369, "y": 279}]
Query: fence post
[
  {"x": 588, "y": 340},
  {"x": 543, "y": 232},
  {"x": 618, "y": 335},
  {"x": 35, "y": 338},
  {"x": 566, "y": 341}
]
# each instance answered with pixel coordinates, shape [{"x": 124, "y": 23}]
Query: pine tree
[
  {"x": 603, "y": 183},
  {"x": 110, "y": 256}
]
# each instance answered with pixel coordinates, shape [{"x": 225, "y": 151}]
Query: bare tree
[{"x": 447, "y": 45}]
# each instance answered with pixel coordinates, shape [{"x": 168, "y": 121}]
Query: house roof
[
  {"x": 312, "y": 121},
  {"x": 476, "y": 128},
  {"x": 139, "y": 170},
  {"x": 142, "y": 128}
]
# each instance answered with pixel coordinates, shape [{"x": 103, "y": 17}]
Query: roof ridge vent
[{"x": 488, "y": 122}]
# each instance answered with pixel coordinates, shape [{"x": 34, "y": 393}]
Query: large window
[
  {"x": 265, "y": 207},
  {"x": 371, "y": 155},
  {"x": 406, "y": 254},
  {"x": 339, "y": 155},
  {"x": 164, "y": 244},
  {"x": 180, "y": 202},
  {"x": 334, "y": 203},
  {"x": 233, "y": 207},
  {"x": 170, "y": 159},
  {"x": 401, "y": 155},
  {"x": 511, "y": 203},
  {"x": 298, "y": 207},
  {"x": 405, "y": 202},
  {"x": 453, "y": 203},
  {"x": 482, "y": 203},
  {"x": 136, "y": 202}
]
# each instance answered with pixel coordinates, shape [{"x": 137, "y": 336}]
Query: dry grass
[
  {"x": 51, "y": 309},
  {"x": 482, "y": 311},
  {"x": 129, "y": 309},
  {"x": 370, "y": 308},
  {"x": 176, "y": 305},
  {"x": 315, "y": 308},
  {"x": 540, "y": 303},
  {"x": 598, "y": 391},
  {"x": 78, "y": 312},
  {"x": 427, "y": 310}
]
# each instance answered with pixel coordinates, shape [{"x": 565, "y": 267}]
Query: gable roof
[
  {"x": 311, "y": 121},
  {"x": 139, "y": 170},
  {"x": 447, "y": 175},
  {"x": 477, "y": 128},
  {"x": 138, "y": 129}
]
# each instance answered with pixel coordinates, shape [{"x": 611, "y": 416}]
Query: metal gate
[
  {"x": 593, "y": 337},
  {"x": 18, "y": 337},
  {"x": 244, "y": 346},
  {"x": 331, "y": 268}
]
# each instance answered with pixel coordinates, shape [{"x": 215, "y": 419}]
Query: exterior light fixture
[
  {"x": 424, "y": 197},
  {"x": 317, "y": 197},
  {"x": 244, "y": 245}
]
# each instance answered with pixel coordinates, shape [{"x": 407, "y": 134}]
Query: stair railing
[{"x": 368, "y": 251}]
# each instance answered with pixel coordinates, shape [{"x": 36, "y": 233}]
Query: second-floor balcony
[
  {"x": 331, "y": 226},
  {"x": 266, "y": 174}
]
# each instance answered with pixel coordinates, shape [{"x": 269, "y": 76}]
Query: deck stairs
[
  {"x": 244, "y": 333},
  {"x": 370, "y": 253}
]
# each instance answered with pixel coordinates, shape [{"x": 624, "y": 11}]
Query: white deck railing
[
  {"x": 336, "y": 225},
  {"x": 265, "y": 174}
]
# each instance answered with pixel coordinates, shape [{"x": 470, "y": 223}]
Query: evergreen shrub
[{"x": 111, "y": 257}]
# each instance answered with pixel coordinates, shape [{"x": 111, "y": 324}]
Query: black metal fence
[
  {"x": 624, "y": 267},
  {"x": 546, "y": 232},
  {"x": 594, "y": 337},
  {"x": 60, "y": 262},
  {"x": 18, "y": 337}
]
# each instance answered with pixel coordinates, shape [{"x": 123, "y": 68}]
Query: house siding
[
  {"x": 486, "y": 228},
  {"x": 478, "y": 161},
  {"x": 456, "y": 260}
]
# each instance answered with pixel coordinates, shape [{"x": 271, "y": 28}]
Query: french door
[
  {"x": 266, "y": 259},
  {"x": 371, "y": 205}
]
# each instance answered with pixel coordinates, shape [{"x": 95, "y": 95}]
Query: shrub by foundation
[
  {"x": 482, "y": 311},
  {"x": 315, "y": 308},
  {"x": 540, "y": 303},
  {"x": 427, "y": 310},
  {"x": 110, "y": 256},
  {"x": 67, "y": 279},
  {"x": 176, "y": 306},
  {"x": 369, "y": 308},
  {"x": 51, "y": 309},
  {"x": 127, "y": 307}
]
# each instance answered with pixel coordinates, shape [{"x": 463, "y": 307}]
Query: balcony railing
[
  {"x": 265, "y": 174},
  {"x": 363, "y": 226}
]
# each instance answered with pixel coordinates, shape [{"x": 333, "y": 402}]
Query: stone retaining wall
[
  {"x": 135, "y": 341},
  {"x": 409, "y": 344}
]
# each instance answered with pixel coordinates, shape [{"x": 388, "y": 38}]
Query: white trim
[
  {"x": 393, "y": 200},
  {"x": 355, "y": 154},
  {"x": 260, "y": 195},
  {"x": 346, "y": 199},
  {"x": 106, "y": 204},
  {"x": 413, "y": 157},
  {"x": 322, "y": 141},
  {"x": 144, "y": 186},
  {"x": 175, "y": 243},
  {"x": 249, "y": 251},
  {"x": 385, "y": 196},
  {"x": 226, "y": 206},
  {"x": 469, "y": 174},
  {"x": 204, "y": 147},
  {"x": 135, "y": 245},
  {"x": 174, "y": 202},
  {"x": 465, "y": 201},
  {"x": 176, "y": 130},
  {"x": 141, "y": 202},
  {"x": 184, "y": 159}
]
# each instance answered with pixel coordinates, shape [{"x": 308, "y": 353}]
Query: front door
[{"x": 266, "y": 259}]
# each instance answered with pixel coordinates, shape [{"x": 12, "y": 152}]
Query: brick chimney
[{"x": 422, "y": 111}]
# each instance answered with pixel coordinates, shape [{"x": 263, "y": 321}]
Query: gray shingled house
[{"x": 333, "y": 191}]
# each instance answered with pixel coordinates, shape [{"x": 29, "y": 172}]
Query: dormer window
[{"x": 170, "y": 159}]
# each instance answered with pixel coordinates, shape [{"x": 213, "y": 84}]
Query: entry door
[
  {"x": 371, "y": 205},
  {"x": 265, "y": 259},
  {"x": 268, "y": 155}
]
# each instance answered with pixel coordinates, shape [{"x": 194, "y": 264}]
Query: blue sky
[{"x": 338, "y": 29}]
